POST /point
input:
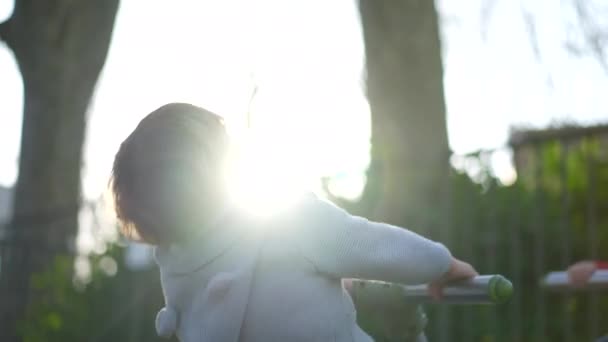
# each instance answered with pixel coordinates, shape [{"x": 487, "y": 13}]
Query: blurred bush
[{"x": 113, "y": 303}]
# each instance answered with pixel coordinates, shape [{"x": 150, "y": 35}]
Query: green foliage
[
  {"x": 544, "y": 222},
  {"x": 111, "y": 306}
]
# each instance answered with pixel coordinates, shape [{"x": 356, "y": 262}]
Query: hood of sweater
[{"x": 220, "y": 298}]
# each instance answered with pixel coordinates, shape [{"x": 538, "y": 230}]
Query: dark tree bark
[
  {"x": 60, "y": 47},
  {"x": 410, "y": 153}
]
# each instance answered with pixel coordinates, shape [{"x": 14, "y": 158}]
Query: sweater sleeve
[{"x": 346, "y": 246}]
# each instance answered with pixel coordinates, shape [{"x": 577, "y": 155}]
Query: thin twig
[
  {"x": 530, "y": 24},
  {"x": 254, "y": 93},
  {"x": 532, "y": 34},
  {"x": 591, "y": 33}
]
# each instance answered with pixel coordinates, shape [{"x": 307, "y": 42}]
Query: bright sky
[{"x": 306, "y": 58}]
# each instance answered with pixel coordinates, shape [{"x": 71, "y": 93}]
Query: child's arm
[{"x": 346, "y": 246}]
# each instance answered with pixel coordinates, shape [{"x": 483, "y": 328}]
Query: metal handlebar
[
  {"x": 393, "y": 312},
  {"x": 559, "y": 281},
  {"x": 484, "y": 289}
]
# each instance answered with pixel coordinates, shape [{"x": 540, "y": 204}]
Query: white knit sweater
[{"x": 279, "y": 279}]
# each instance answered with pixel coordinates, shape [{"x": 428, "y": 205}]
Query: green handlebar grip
[
  {"x": 500, "y": 289},
  {"x": 393, "y": 312}
]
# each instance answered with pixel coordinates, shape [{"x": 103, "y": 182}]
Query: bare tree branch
[
  {"x": 573, "y": 49},
  {"x": 254, "y": 93},
  {"x": 532, "y": 34},
  {"x": 530, "y": 24},
  {"x": 593, "y": 35}
]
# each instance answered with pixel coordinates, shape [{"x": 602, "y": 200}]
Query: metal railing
[{"x": 393, "y": 312}]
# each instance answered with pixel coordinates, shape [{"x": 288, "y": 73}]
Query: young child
[{"x": 229, "y": 277}]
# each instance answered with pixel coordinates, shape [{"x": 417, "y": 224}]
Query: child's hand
[
  {"x": 580, "y": 273},
  {"x": 459, "y": 270}
]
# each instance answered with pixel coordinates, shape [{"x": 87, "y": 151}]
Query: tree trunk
[
  {"x": 60, "y": 47},
  {"x": 410, "y": 153}
]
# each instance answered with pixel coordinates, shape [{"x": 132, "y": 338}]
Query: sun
[{"x": 265, "y": 175}]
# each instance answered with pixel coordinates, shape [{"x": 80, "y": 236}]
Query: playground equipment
[
  {"x": 393, "y": 312},
  {"x": 558, "y": 281}
]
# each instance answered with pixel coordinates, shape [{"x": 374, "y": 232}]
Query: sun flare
[
  {"x": 286, "y": 145},
  {"x": 264, "y": 177}
]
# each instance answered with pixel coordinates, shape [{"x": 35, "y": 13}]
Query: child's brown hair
[{"x": 167, "y": 175}]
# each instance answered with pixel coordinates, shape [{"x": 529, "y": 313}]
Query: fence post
[
  {"x": 564, "y": 231},
  {"x": 592, "y": 233},
  {"x": 515, "y": 311},
  {"x": 540, "y": 240}
]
